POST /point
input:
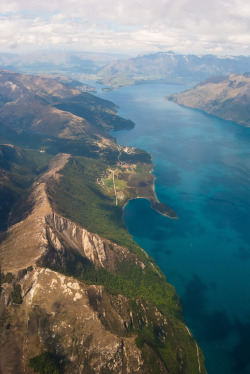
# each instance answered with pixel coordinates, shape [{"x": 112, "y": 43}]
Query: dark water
[{"x": 202, "y": 165}]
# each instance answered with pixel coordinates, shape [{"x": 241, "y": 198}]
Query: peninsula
[{"x": 227, "y": 97}]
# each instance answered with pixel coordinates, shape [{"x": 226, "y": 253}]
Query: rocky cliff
[{"x": 82, "y": 325}]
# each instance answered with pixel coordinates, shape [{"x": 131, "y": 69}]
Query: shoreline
[
  {"x": 158, "y": 211},
  {"x": 175, "y": 215}
]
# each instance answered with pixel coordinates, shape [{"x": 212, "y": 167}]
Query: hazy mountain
[
  {"x": 170, "y": 67},
  {"x": 227, "y": 97},
  {"x": 76, "y": 293},
  {"x": 57, "y": 61}
]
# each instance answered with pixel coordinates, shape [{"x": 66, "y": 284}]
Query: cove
[{"x": 202, "y": 168}]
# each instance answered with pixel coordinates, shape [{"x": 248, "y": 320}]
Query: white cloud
[{"x": 189, "y": 26}]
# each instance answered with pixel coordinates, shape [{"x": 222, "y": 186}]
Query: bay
[{"x": 202, "y": 166}]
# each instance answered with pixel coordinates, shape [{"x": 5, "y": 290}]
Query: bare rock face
[
  {"x": 85, "y": 327},
  {"x": 59, "y": 313},
  {"x": 62, "y": 234}
]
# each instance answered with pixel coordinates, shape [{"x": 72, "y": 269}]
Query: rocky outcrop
[
  {"x": 62, "y": 235},
  {"x": 81, "y": 324}
]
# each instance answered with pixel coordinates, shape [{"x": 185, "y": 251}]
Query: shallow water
[{"x": 202, "y": 165}]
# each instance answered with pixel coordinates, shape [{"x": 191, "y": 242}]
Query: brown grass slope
[
  {"x": 47, "y": 107},
  {"x": 227, "y": 97},
  {"x": 28, "y": 104}
]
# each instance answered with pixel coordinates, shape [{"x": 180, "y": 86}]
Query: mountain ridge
[
  {"x": 227, "y": 97},
  {"x": 171, "y": 68}
]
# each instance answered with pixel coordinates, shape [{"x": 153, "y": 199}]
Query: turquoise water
[{"x": 202, "y": 165}]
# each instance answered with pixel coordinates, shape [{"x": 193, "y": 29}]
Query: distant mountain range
[
  {"x": 116, "y": 71},
  {"x": 70, "y": 62},
  {"x": 170, "y": 67},
  {"x": 227, "y": 97}
]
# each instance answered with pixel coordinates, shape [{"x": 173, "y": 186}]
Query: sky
[{"x": 132, "y": 27}]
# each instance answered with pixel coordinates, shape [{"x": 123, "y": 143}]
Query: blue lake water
[{"x": 202, "y": 165}]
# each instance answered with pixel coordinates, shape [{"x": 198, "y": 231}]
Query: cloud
[{"x": 189, "y": 26}]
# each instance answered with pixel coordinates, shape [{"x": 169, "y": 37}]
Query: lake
[{"x": 202, "y": 166}]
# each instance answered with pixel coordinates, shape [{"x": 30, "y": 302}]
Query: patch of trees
[
  {"x": 46, "y": 363},
  {"x": 6, "y": 278},
  {"x": 16, "y": 294}
]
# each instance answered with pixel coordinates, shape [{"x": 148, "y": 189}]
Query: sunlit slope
[{"x": 227, "y": 97}]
